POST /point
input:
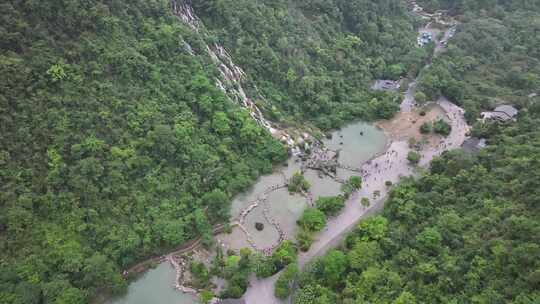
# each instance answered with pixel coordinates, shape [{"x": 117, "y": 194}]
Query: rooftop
[
  {"x": 506, "y": 109},
  {"x": 385, "y": 85},
  {"x": 502, "y": 113}
]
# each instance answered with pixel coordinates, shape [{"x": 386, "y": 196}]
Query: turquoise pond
[
  {"x": 357, "y": 143},
  {"x": 155, "y": 287}
]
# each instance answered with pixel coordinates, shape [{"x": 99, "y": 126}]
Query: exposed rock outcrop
[{"x": 233, "y": 79}]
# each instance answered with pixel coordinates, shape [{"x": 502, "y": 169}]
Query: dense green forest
[
  {"x": 115, "y": 143},
  {"x": 494, "y": 57},
  {"x": 467, "y": 231},
  {"x": 314, "y": 60},
  {"x": 456, "y": 7}
]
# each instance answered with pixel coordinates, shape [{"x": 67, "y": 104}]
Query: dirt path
[
  {"x": 390, "y": 166},
  {"x": 408, "y": 102},
  {"x": 182, "y": 249}
]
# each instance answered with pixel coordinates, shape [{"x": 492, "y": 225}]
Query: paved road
[{"x": 390, "y": 166}]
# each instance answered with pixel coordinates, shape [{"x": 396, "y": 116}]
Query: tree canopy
[
  {"x": 314, "y": 60},
  {"x": 492, "y": 59},
  {"x": 115, "y": 144},
  {"x": 465, "y": 232}
]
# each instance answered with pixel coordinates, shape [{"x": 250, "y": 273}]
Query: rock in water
[{"x": 259, "y": 226}]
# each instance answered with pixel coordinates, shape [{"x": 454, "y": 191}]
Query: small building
[
  {"x": 509, "y": 111},
  {"x": 501, "y": 113},
  {"x": 385, "y": 85}
]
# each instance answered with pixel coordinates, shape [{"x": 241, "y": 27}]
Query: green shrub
[
  {"x": 413, "y": 157},
  {"x": 298, "y": 183},
  {"x": 284, "y": 283},
  {"x": 426, "y": 128},
  {"x": 304, "y": 238},
  {"x": 330, "y": 205},
  {"x": 442, "y": 127},
  {"x": 312, "y": 219}
]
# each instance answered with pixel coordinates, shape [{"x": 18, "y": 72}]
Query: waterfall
[{"x": 232, "y": 80}]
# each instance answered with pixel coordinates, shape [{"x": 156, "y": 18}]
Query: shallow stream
[{"x": 357, "y": 142}]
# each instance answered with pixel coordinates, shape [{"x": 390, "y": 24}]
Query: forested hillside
[
  {"x": 314, "y": 60},
  {"x": 463, "y": 6},
  {"x": 115, "y": 142},
  {"x": 494, "y": 57},
  {"x": 468, "y": 231}
]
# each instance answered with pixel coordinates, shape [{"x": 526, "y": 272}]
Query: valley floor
[{"x": 390, "y": 166}]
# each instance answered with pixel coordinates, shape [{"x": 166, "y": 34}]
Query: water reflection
[
  {"x": 357, "y": 143},
  {"x": 361, "y": 141},
  {"x": 156, "y": 287},
  {"x": 286, "y": 209}
]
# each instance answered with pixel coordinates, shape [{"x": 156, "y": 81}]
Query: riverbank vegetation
[
  {"x": 467, "y": 231},
  {"x": 236, "y": 268},
  {"x": 314, "y": 220},
  {"x": 116, "y": 145}
]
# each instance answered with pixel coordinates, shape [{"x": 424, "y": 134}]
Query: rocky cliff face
[{"x": 232, "y": 78}]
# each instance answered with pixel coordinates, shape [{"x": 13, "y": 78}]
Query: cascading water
[
  {"x": 233, "y": 78},
  {"x": 382, "y": 167}
]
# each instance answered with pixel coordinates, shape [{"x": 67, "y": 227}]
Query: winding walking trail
[{"x": 390, "y": 166}]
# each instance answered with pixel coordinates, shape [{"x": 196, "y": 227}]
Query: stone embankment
[
  {"x": 390, "y": 166},
  {"x": 262, "y": 201},
  {"x": 179, "y": 264}
]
